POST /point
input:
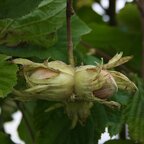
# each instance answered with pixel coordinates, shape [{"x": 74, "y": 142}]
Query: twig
[
  {"x": 69, "y": 13},
  {"x": 112, "y": 12},
  {"x": 21, "y": 108},
  {"x": 102, "y": 6},
  {"x": 140, "y": 4}
]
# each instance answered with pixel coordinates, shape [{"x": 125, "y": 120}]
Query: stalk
[
  {"x": 69, "y": 13},
  {"x": 140, "y": 4}
]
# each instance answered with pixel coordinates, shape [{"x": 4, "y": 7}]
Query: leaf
[
  {"x": 24, "y": 132},
  {"x": 54, "y": 127},
  {"x": 116, "y": 118},
  {"x": 115, "y": 121},
  {"x": 119, "y": 142},
  {"x": 129, "y": 18},
  {"x": 7, "y": 76},
  {"x": 16, "y": 8},
  {"x": 5, "y": 139},
  {"x": 113, "y": 39},
  {"x": 134, "y": 113},
  {"x": 122, "y": 97},
  {"x": 3, "y": 57},
  {"x": 26, "y": 128},
  {"x": 38, "y": 27},
  {"x": 88, "y": 15},
  {"x": 58, "y": 51},
  {"x": 79, "y": 28},
  {"x": 8, "y": 107},
  {"x": 88, "y": 59},
  {"x": 84, "y": 3}
]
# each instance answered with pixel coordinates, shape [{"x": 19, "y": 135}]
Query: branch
[
  {"x": 140, "y": 4},
  {"x": 69, "y": 13},
  {"x": 22, "y": 109},
  {"x": 112, "y": 12}
]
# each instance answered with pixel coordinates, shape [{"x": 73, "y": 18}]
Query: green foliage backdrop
[{"x": 36, "y": 29}]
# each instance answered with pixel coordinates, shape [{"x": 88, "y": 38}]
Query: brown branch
[
  {"x": 69, "y": 13},
  {"x": 140, "y": 4}
]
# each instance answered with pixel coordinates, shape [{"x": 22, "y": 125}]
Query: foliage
[
  {"x": 134, "y": 113},
  {"x": 36, "y": 29},
  {"x": 7, "y": 77},
  {"x": 57, "y": 51},
  {"x": 5, "y": 139},
  {"x": 119, "y": 142}
]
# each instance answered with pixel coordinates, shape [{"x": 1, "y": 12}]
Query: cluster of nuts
[{"x": 76, "y": 88}]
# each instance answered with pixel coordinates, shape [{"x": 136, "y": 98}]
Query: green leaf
[
  {"x": 88, "y": 59},
  {"x": 3, "y": 57},
  {"x": 88, "y": 15},
  {"x": 38, "y": 27},
  {"x": 7, "y": 76},
  {"x": 79, "y": 28},
  {"x": 114, "y": 120},
  {"x": 24, "y": 132},
  {"x": 5, "y": 139},
  {"x": 26, "y": 128},
  {"x": 129, "y": 18},
  {"x": 16, "y": 8},
  {"x": 8, "y": 107},
  {"x": 122, "y": 97},
  {"x": 113, "y": 39},
  {"x": 54, "y": 127},
  {"x": 134, "y": 114},
  {"x": 58, "y": 51},
  {"x": 119, "y": 142}
]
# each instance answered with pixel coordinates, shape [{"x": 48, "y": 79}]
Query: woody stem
[{"x": 69, "y": 13}]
